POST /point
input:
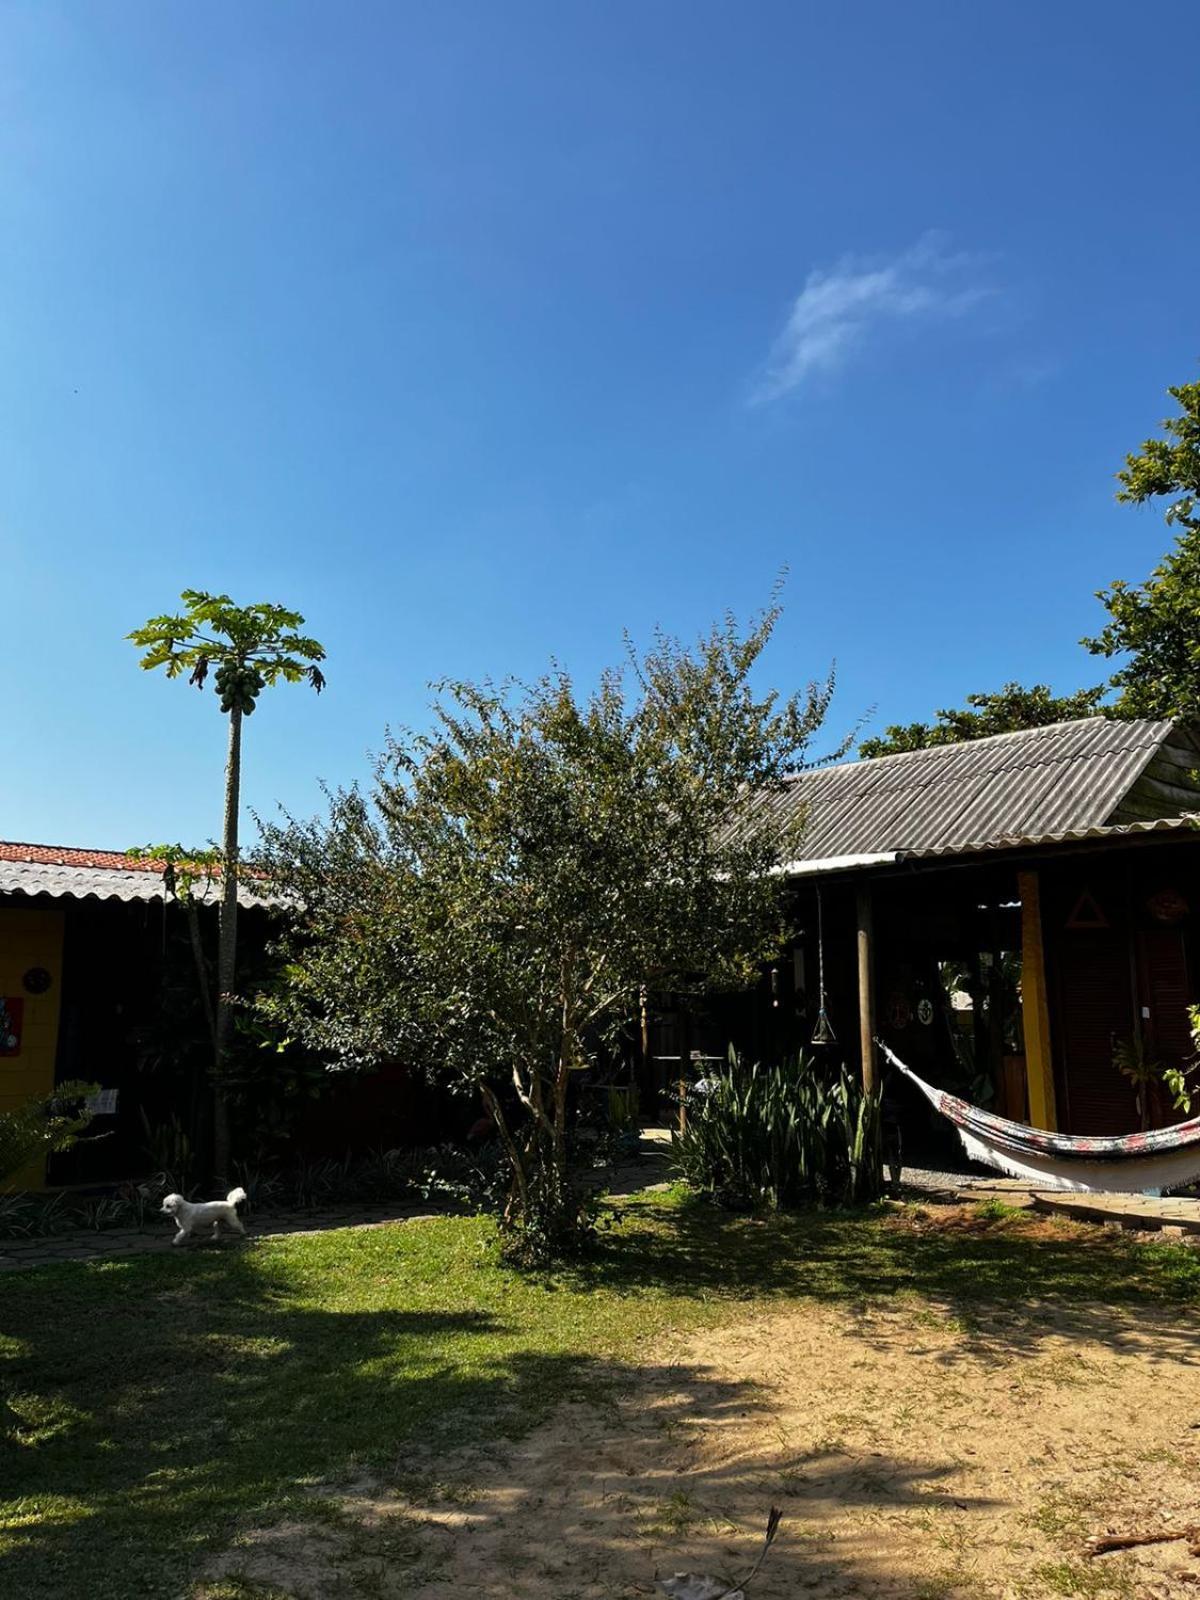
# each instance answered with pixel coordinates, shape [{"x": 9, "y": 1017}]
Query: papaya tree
[
  {"x": 492, "y": 908},
  {"x": 245, "y": 649}
]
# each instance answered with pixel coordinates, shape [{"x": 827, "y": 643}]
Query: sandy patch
[{"x": 914, "y": 1459}]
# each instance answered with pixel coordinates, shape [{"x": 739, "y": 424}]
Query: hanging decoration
[
  {"x": 12, "y": 1012},
  {"x": 899, "y": 1010},
  {"x": 823, "y": 1032}
]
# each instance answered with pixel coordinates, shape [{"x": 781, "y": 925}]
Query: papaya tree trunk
[
  {"x": 227, "y": 949},
  {"x": 203, "y": 981}
]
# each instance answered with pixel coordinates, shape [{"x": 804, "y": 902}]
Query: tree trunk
[
  {"x": 227, "y": 948},
  {"x": 202, "y": 980},
  {"x": 518, "y": 1202}
]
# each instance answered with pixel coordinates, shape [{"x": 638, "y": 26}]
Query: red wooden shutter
[{"x": 1094, "y": 1011}]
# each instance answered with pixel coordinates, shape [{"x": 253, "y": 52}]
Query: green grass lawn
[{"x": 155, "y": 1406}]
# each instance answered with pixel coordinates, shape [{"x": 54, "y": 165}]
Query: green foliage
[
  {"x": 187, "y": 874},
  {"x": 43, "y": 1127},
  {"x": 491, "y": 911},
  {"x": 170, "y": 1150},
  {"x": 781, "y": 1135},
  {"x": 1132, "y": 1062},
  {"x": 444, "y": 1174},
  {"x": 1154, "y": 624},
  {"x": 1177, "y": 1082},
  {"x": 1169, "y": 466},
  {"x": 250, "y": 647},
  {"x": 1008, "y": 710}
]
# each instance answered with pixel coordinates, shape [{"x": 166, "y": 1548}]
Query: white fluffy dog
[{"x": 192, "y": 1218}]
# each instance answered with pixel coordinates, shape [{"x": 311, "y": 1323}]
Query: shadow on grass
[
  {"x": 159, "y": 1409},
  {"x": 1005, "y": 1281},
  {"x": 152, "y": 1406},
  {"x": 156, "y": 1406}
]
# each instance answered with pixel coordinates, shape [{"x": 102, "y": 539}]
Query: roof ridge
[{"x": 1165, "y": 723}]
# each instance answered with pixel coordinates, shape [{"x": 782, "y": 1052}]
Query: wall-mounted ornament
[
  {"x": 1086, "y": 913},
  {"x": 12, "y": 1014},
  {"x": 1167, "y": 906},
  {"x": 899, "y": 1011},
  {"x": 36, "y": 981}
]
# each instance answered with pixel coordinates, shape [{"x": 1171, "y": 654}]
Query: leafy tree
[
  {"x": 1007, "y": 711},
  {"x": 1169, "y": 466},
  {"x": 247, "y": 648},
  {"x": 492, "y": 909},
  {"x": 1156, "y": 624}
]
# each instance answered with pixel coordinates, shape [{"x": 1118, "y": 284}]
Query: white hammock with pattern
[{"x": 1134, "y": 1163}]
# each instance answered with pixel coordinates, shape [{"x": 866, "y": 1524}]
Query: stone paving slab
[
  {"x": 1149, "y": 1212},
  {"x": 1129, "y": 1210}
]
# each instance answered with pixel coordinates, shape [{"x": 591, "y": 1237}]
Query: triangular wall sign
[{"x": 1087, "y": 914}]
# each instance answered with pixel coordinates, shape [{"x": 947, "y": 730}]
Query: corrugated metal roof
[
  {"x": 67, "y": 881},
  {"x": 1037, "y": 785},
  {"x": 1188, "y": 823}
]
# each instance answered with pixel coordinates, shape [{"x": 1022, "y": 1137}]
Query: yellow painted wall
[
  {"x": 1035, "y": 1007},
  {"x": 30, "y": 938}
]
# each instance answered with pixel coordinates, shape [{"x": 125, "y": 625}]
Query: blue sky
[{"x": 478, "y": 332}]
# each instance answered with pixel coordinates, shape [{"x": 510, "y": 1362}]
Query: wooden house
[
  {"x": 98, "y": 984},
  {"x": 1017, "y": 917}
]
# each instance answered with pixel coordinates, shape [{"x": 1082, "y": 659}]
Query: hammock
[{"x": 1134, "y": 1163}]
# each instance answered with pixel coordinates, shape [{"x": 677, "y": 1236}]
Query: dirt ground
[{"x": 913, "y": 1458}]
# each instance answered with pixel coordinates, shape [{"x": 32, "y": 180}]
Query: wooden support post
[
  {"x": 684, "y": 1033},
  {"x": 866, "y": 988},
  {"x": 1035, "y": 1009}
]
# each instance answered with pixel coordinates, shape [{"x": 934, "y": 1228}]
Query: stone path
[
  {"x": 155, "y": 1237},
  {"x": 1171, "y": 1215},
  {"x": 649, "y": 1170}
]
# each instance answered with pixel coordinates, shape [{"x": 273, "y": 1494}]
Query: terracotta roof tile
[
  {"x": 72, "y": 873},
  {"x": 63, "y": 855}
]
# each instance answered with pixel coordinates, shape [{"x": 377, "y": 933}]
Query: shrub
[
  {"x": 43, "y": 1127},
  {"x": 781, "y": 1135},
  {"x": 445, "y": 1174}
]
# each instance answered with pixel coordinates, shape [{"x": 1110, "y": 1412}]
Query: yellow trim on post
[
  {"x": 866, "y": 988},
  {"x": 1035, "y": 1009}
]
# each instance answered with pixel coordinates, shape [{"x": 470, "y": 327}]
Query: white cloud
[{"x": 838, "y": 309}]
